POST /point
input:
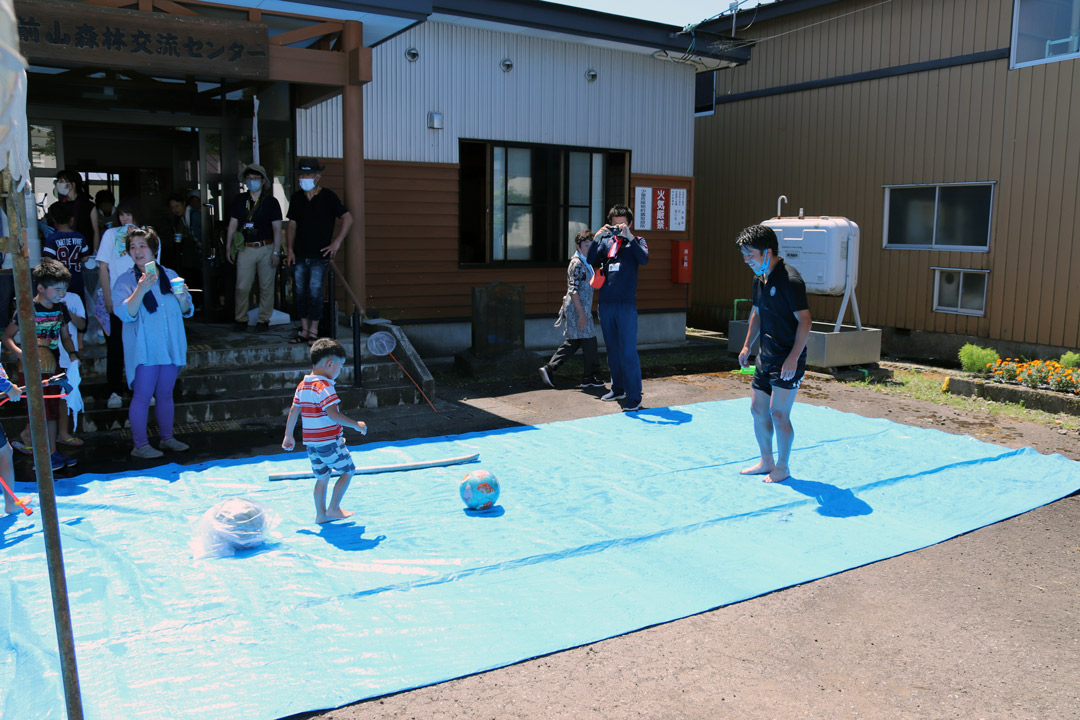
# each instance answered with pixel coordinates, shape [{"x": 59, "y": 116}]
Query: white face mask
[
  {"x": 254, "y": 185},
  {"x": 307, "y": 184},
  {"x": 63, "y": 188}
]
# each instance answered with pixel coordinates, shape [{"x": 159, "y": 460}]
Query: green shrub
[
  {"x": 975, "y": 359},
  {"x": 1070, "y": 359}
]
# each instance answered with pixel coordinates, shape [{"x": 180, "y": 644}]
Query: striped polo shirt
[{"x": 314, "y": 395}]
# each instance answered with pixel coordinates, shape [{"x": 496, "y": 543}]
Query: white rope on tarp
[{"x": 14, "y": 140}]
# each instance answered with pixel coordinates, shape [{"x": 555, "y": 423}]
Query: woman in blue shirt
[{"x": 155, "y": 344}]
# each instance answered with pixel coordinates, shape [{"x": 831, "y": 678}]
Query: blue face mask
[
  {"x": 254, "y": 185},
  {"x": 764, "y": 269},
  {"x": 307, "y": 184}
]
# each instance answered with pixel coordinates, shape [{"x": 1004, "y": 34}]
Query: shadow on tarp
[
  {"x": 493, "y": 512},
  {"x": 347, "y": 536},
  {"x": 832, "y": 501},
  {"x": 13, "y": 532},
  {"x": 661, "y": 416}
]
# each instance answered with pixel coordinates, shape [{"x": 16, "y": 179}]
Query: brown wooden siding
[
  {"x": 412, "y": 248},
  {"x": 832, "y": 149},
  {"x": 843, "y": 38}
]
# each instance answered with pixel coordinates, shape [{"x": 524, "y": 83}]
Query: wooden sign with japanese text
[
  {"x": 76, "y": 34},
  {"x": 660, "y": 209}
]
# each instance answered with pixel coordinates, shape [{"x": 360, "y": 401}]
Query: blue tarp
[{"x": 605, "y": 525}]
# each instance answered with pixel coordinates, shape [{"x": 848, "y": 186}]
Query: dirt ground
[{"x": 986, "y": 625}]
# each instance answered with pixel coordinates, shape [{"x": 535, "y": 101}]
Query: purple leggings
[{"x": 152, "y": 381}]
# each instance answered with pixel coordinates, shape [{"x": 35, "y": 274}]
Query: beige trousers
[{"x": 249, "y": 263}]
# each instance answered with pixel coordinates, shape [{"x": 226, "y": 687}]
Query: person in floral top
[{"x": 575, "y": 317}]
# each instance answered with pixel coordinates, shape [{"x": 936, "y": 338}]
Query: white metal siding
[
  {"x": 318, "y": 130},
  {"x": 544, "y": 99}
]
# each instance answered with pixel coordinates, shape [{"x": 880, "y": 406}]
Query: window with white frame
[
  {"x": 962, "y": 292},
  {"x": 524, "y": 203},
  {"x": 1045, "y": 31},
  {"x": 938, "y": 217}
]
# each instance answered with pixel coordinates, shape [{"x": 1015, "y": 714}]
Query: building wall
[
  {"x": 411, "y": 173},
  {"x": 412, "y": 256},
  {"x": 544, "y": 99},
  {"x": 831, "y": 149}
]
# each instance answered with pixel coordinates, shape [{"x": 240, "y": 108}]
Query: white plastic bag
[{"x": 231, "y": 525}]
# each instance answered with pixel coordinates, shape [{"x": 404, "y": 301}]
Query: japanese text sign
[
  {"x": 660, "y": 209},
  {"x": 72, "y": 33}
]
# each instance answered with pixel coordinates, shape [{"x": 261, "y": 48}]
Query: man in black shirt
[
  {"x": 319, "y": 225},
  {"x": 257, "y": 215},
  {"x": 781, "y": 316}
]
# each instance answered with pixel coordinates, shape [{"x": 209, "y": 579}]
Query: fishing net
[{"x": 381, "y": 343}]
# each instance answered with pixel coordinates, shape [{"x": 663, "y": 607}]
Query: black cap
[{"x": 309, "y": 165}]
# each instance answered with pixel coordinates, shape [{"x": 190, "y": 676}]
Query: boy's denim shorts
[{"x": 330, "y": 459}]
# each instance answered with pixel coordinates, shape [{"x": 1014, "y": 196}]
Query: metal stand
[{"x": 852, "y": 272}]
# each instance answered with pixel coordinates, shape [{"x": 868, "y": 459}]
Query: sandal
[
  {"x": 22, "y": 447},
  {"x": 299, "y": 338},
  {"x": 311, "y": 340},
  {"x": 71, "y": 441}
]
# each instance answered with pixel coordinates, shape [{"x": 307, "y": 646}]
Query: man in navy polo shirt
[
  {"x": 619, "y": 253},
  {"x": 781, "y": 317}
]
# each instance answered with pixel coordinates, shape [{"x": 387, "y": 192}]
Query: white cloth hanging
[{"x": 14, "y": 140}]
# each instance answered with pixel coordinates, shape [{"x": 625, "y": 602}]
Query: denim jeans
[{"x": 308, "y": 277}]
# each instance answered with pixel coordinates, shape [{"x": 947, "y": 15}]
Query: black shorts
[{"x": 767, "y": 375}]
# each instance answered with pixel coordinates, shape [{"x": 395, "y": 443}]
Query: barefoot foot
[
  {"x": 762, "y": 468},
  {"x": 332, "y": 515},
  {"x": 778, "y": 474}
]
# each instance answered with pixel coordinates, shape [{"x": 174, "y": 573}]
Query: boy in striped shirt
[{"x": 317, "y": 404}]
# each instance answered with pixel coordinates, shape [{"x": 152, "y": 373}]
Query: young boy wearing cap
[
  {"x": 319, "y": 225},
  {"x": 256, "y": 215}
]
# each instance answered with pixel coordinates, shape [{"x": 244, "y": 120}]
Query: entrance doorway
[
  {"x": 171, "y": 175},
  {"x": 150, "y": 137}
]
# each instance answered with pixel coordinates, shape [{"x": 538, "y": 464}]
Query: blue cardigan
[{"x": 151, "y": 338}]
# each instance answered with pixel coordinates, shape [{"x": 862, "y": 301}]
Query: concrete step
[
  {"x": 234, "y": 377},
  {"x": 202, "y": 357},
  {"x": 260, "y": 404},
  {"x": 206, "y": 384}
]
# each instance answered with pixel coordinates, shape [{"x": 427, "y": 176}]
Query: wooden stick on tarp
[
  {"x": 15, "y": 203},
  {"x": 374, "y": 469}
]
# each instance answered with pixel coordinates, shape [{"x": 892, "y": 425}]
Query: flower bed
[
  {"x": 1038, "y": 374},
  {"x": 1031, "y": 398}
]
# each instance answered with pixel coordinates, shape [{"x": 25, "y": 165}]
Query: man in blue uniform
[
  {"x": 619, "y": 253},
  {"x": 781, "y": 317}
]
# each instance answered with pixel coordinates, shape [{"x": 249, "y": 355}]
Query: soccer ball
[{"x": 480, "y": 490}]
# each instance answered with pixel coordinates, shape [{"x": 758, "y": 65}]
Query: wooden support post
[
  {"x": 352, "y": 111},
  {"x": 50, "y": 523}
]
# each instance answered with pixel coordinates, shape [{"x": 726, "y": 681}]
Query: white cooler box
[{"x": 818, "y": 248}]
